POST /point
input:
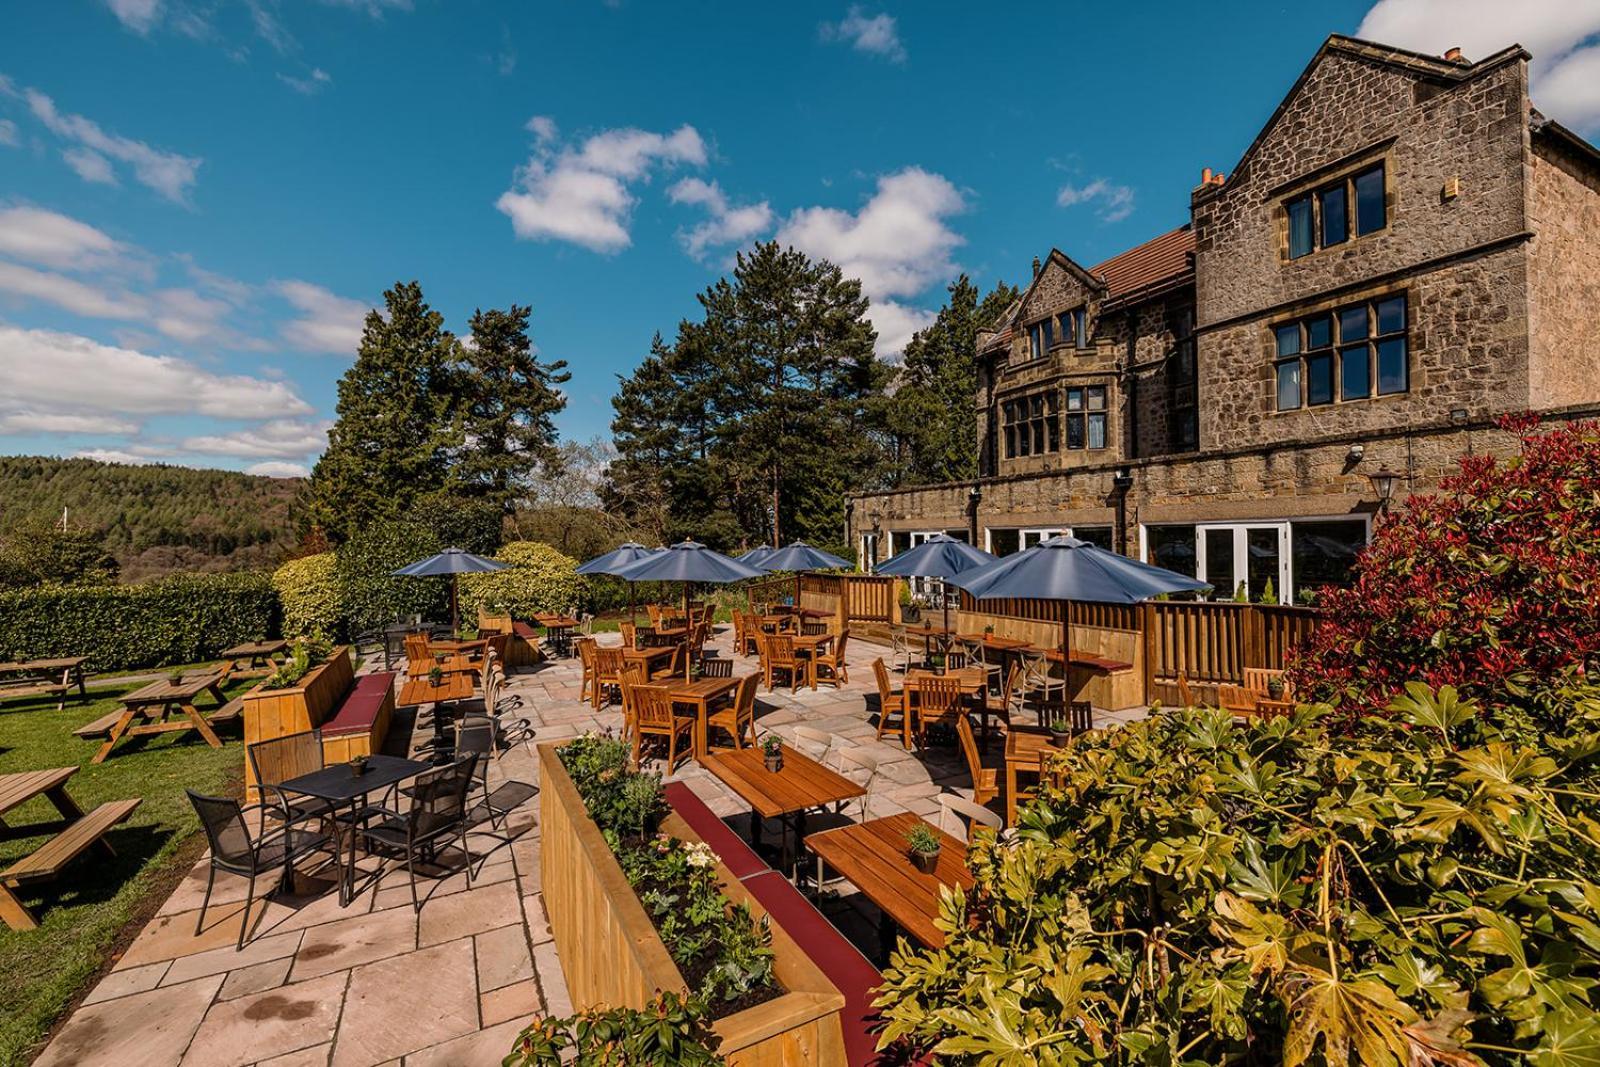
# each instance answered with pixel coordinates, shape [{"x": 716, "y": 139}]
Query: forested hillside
[{"x": 155, "y": 519}]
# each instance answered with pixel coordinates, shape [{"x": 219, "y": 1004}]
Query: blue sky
[{"x": 199, "y": 198}]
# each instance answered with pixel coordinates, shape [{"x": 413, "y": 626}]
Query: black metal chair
[
  {"x": 437, "y": 818},
  {"x": 234, "y": 850},
  {"x": 279, "y": 759},
  {"x": 476, "y": 736}
]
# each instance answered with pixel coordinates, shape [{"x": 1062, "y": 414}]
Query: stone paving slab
[{"x": 374, "y": 983}]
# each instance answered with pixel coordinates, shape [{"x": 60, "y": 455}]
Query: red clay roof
[{"x": 1157, "y": 260}]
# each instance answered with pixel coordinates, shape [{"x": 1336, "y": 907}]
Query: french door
[{"x": 1252, "y": 554}]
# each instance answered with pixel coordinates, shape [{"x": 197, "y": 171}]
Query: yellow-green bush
[
  {"x": 309, "y": 591},
  {"x": 539, "y": 578}
]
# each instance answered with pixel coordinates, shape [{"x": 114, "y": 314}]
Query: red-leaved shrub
[{"x": 1492, "y": 585}]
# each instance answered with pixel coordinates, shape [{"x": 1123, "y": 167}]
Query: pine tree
[
  {"x": 508, "y": 397},
  {"x": 398, "y": 419}
]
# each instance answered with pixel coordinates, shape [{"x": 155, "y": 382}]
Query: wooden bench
[
  {"x": 359, "y": 724},
  {"x": 18, "y": 690},
  {"x": 53, "y": 856},
  {"x": 98, "y": 728}
]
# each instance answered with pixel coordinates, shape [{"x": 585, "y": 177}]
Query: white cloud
[
  {"x": 313, "y": 83},
  {"x": 63, "y": 422},
  {"x": 275, "y": 439},
  {"x": 8, "y": 133},
  {"x": 727, "y": 223},
  {"x": 1114, "y": 202},
  {"x": 55, "y": 240},
  {"x": 899, "y": 244},
  {"x": 69, "y": 294},
  {"x": 114, "y": 455},
  {"x": 278, "y": 469},
  {"x": 328, "y": 322},
  {"x": 878, "y": 34},
  {"x": 581, "y": 194},
  {"x": 140, "y": 16},
  {"x": 46, "y": 370},
  {"x": 375, "y": 8},
  {"x": 1565, "y": 72},
  {"x": 93, "y": 150}
]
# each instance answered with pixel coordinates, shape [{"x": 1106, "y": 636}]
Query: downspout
[{"x": 974, "y": 495}]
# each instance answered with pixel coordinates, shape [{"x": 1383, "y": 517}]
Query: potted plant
[
  {"x": 1056, "y": 723},
  {"x": 1275, "y": 688},
  {"x": 435, "y": 676},
  {"x": 924, "y": 846},
  {"x": 936, "y": 661},
  {"x": 175, "y": 677},
  {"x": 358, "y": 766},
  {"x": 988, "y": 631},
  {"x": 772, "y": 753}
]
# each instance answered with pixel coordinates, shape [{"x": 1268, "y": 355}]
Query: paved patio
[{"x": 375, "y": 982}]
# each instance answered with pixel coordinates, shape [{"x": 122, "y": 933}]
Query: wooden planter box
[
  {"x": 289, "y": 711},
  {"x": 613, "y": 956}
]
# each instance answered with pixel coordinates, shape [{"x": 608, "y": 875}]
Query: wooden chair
[
  {"x": 739, "y": 720},
  {"x": 999, "y": 707},
  {"x": 586, "y": 686},
  {"x": 655, "y": 716},
  {"x": 812, "y": 629},
  {"x": 607, "y": 673},
  {"x": 654, "y": 611},
  {"x": 419, "y": 656},
  {"x": 780, "y": 656},
  {"x": 891, "y": 702},
  {"x": 716, "y": 667},
  {"x": 1184, "y": 693},
  {"x": 696, "y": 644},
  {"x": 633, "y": 674},
  {"x": 630, "y": 633},
  {"x": 957, "y": 815},
  {"x": 1237, "y": 699},
  {"x": 985, "y": 780},
  {"x": 830, "y": 666},
  {"x": 741, "y": 639},
  {"x": 1259, "y": 681},
  {"x": 935, "y": 699},
  {"x": 955, "y": 660}
]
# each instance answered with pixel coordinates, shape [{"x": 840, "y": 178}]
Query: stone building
[{"x": 1406, "y": 251}]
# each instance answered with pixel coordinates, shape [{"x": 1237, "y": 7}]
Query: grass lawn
[{"x": 83, "y": 912}]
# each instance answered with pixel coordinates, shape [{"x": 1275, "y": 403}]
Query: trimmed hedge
[
  {"x": 539, "y": 578},
  {"x": 182, "y": 619},
  {"x": 308, "y": 588},
  {"x": 369, "y": 593}
]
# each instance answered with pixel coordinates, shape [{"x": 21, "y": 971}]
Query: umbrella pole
[
  {"x": 455, "y": 610},
  {"x": 1066, "y": 658},
  {"x": 944, "y": 588},
  {"x": 687, "y": 635}
]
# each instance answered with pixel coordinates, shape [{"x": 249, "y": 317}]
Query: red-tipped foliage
[{"x": 1490, "y": 585}]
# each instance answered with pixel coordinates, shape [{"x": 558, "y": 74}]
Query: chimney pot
[
  {"x": 1453, "y": 55},
  {"x": 1205, "y": 176},
  {"x": 1035, "y": 266}
]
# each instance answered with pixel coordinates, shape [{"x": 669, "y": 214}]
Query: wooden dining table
[
  {"x": 558, "y": 628},
  {"x": 1024, "y": 746},
  {"x": 150, "y": 709},
  {"x": 971, "y": 680},
  {"x": 701, "y": 694},
  {"x": 419, "y": 691},
  {"x": 874, "y": 857},
  {"x": 786, "y": 794},
  {"x": 928, "y": 632}
]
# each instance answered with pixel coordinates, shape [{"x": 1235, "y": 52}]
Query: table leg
[
  {"x": 201, "y": 725},
  {"x": 702, "y": 742},
  {"x": 755, "y": 830},
  {"x": 64, "y": 803},
  {"x": 886, "y": 936},
  {"x": 118, "y": 728},
  {"x": 799, "y": 838},
  {"x": 1011, "y": 793}
]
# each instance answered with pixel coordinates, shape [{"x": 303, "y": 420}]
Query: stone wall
[{"x": 1563, "y": 277}]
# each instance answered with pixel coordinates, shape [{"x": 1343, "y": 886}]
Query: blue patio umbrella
[
  {"x": 940, "y": 556},
  {"x": 756, "y": 556},
  {"x": 454, "y": 562},
  {"x": 799, "y": 556},
  {"x": 687, "y": 562},
  {"x": 1065, "y": 568},
  {"x": 624, "y": 555}
]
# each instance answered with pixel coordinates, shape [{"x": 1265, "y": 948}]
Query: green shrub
[
  {"x": 308, "y": 589},
  {"x": 1419, "y": 888},
  {"x": 672, "y": 1032},
  {"x": 182, "y": 619},
  {"x": 539, "y": 579},
  {"x": 369, "y": 593}
]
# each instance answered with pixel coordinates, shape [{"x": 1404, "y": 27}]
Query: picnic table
[
  {"x": 254, "y": 659},
  {"x": 419, "y": 691},
  {"x": 81, "y": 833},
  {"x": 700, "y": 694},
  {"x": 164, "y": 707},
  {"x": 786, "y": 794},
  {"x": 36, "y": 677},
  {"x": 874, "y": 857}
]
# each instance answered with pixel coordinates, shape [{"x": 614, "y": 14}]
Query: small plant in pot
[
  {"x": 936, "y": 661},
  {"x": 772, "y": 753},
  {"x": 358, "y": 766},
  {"x": 988, "y": 631},
  {"x": 1275, "y": 688},
  {"x": 1056, "y": 723},
  {"x": 175, "y": 677},
  {"x": 923, "y": 844},
  {"x": 435, "y": 676}
]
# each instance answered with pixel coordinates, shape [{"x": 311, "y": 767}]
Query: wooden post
[
  {"x": 1252, "y": 633},
  {"x": 1147, "y": 621}
]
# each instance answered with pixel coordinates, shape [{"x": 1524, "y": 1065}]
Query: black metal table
[{"x": 339, "y": 785}]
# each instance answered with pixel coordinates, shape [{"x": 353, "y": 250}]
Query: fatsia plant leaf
[{"x": 1353, "y": 1022}]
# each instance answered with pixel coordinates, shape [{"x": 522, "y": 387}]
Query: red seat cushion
[
  {"x": 524, "y": 630},
  {"x": 730, "y": 848},
  {"x": 359, "y": 708},
  {"x": 835, "y": 956}
]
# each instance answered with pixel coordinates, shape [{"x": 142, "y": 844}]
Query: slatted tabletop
[
  {"x": 255, "y": 648},
  {"x": 168, "y": 692},
  {"x": 60, "y": 663},
  {"x": 802, "y": 783},
  {"x": 971, "y": 679},
  {"x": 456, "y": 686},
  {"x": 19, "y": 788},
  {"x": 875, "y": 858}
]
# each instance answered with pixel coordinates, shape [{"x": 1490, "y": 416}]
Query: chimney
[
  {"x": 1205, "y": 176},
  {"x": 1035, "y": 266},
  {"x": 1219, "y": 178},
  {"x": 1453, "y": 55}
]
